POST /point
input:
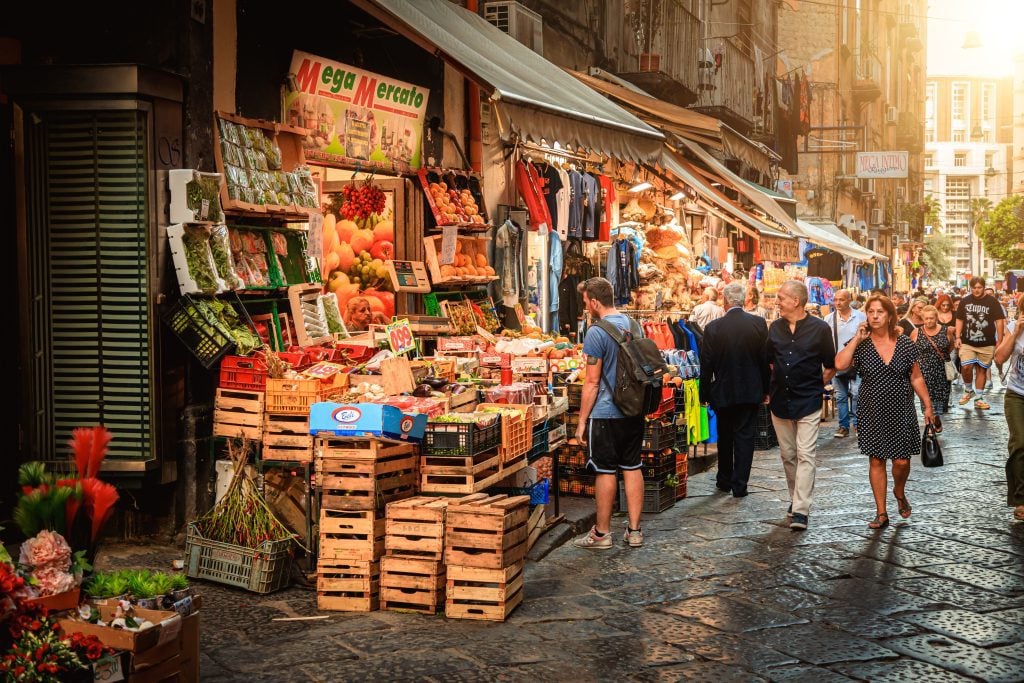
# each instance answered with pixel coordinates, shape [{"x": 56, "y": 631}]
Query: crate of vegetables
[
  {"x": 211, "y": 328},
  {"x": 463, "y": 434}
]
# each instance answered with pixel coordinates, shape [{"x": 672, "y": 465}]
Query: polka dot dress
[{"x": 886, "y": 418}]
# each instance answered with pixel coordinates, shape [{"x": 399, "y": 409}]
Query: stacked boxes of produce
[
  {"x": 412, "y": 572},
  {"x": 286, "y": 434},
  {"x": 357, "y": 478},
  {"x": 460, "y": 453},
  {"x": 485, "y": 545}
]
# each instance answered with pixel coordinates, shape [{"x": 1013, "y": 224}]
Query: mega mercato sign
[
  {"x": 355, "y": 116},
  {"x": 883, "y": 164}
]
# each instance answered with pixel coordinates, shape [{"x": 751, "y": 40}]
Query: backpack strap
[{"x": 615, "y": 333}]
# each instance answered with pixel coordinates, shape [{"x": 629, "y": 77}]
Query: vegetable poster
[{"x": 354, "y": 116}]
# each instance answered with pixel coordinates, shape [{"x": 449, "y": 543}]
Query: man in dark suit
[{"x": 734, "y": 376}]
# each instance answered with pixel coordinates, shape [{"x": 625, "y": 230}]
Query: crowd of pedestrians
[{"x": 876, "y": 353}]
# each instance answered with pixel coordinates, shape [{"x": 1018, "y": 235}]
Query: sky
[{"x": 999, "y": 24}]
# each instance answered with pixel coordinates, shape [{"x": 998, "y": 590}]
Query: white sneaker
[
  {"x": 592, "y": 541},
  {"x": 634, "y": 539}
]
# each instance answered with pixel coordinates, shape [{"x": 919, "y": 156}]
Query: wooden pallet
[
  {"x": 238, "y": 413},
  {"x": 412, "y": 585},
  {"x": 431, "y": 482},
  {"x": 487, "y": 594},
  {"x": 286, "y": 438},
  {"x": 366, "y": 484},
  {"x": 486, "y": 531},
  {"x": 415, "y": 528},
  {"x": 351, "y": 534},
  {"x": 347, "y": 585}
]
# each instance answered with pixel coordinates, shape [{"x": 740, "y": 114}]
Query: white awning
[
  {"x": 532, "y": 97},
  {"x": 821, "y": 235}
]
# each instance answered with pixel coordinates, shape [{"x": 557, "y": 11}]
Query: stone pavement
[{"x": 721, "y": 591}]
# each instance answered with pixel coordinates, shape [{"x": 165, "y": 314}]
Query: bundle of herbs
[
  {"x": 198, "y": 254},
  {"x": 220, "y": 247},
  {"x": 202, "y": 196},
  {"x": 242, "y": 517}
]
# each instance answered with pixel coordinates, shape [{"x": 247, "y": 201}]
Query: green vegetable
[
  {"x": 220, "y": 247},
  {"x": 196, "y": 240},
  {"x": 332, "y": 314},
  {"x": 204, "y": 187}
]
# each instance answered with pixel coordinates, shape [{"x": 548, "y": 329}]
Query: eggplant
[
  {"x": 422, "y": 391},
  {"x": 458, "y": 388},
  {"x": 435, "y": 382}
]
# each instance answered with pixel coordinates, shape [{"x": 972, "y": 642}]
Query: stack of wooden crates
[
  {"x": 413, "y": 568},
  {"x": 485, "y": 548},
  {"x": 357, "y": 479}
]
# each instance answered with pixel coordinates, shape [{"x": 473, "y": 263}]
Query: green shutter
[{"x": 88, "y": 241}]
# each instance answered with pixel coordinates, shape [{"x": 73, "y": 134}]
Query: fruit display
[
  {"x": 362, "y": 201},
  {"x": 452, "y": 198}
]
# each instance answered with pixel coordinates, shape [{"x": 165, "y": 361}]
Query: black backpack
[{"x": 638, "y": 372}]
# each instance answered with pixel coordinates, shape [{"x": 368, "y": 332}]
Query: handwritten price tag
[{"x": 400, "y": 337}]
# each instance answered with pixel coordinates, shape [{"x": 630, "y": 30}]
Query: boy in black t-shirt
[{"x": 979, "y": 327}]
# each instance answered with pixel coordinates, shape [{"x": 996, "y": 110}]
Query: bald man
[{"x": 708, "y": 310}]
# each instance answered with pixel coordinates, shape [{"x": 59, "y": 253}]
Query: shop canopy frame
[
  {"x": 533, "y": 99},
  {"x": 686, "y": 123},
  {"x": 830, "y": 237}
]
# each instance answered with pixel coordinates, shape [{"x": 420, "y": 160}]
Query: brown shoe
[
  {"x": 841, "y": 433},
  {"x": 1018, "y": 513}
]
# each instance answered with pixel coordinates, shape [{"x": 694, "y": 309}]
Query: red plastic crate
[
  {"x": 668, "y": 402},
  {"x": 248, "y": 373},
  {"x": 297, "y": 359}
]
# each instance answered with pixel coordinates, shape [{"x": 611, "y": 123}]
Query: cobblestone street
[{"x": 721, "y": 591}]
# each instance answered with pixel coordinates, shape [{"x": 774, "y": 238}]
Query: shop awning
[
  {"x": 686, "y": 123},
  {"x": 532, "y": 97},
  {"x": 820, "y": 235},
  {"x": 758, "y": 197},
  {"x": 717, "y": 202}
]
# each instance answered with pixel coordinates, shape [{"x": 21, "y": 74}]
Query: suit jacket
[{"x": 734, "y": 360}]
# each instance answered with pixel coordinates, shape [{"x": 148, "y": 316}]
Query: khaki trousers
[{"x": 798, "y": 441}]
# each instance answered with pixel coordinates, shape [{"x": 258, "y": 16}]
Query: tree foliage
[
  {"x": 937, "y": 245},
  {"x": 1002, "y": 230}
]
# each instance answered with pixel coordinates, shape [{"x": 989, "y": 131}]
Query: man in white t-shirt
[
  {"x": 708, "y": 309},
  {"x": 844, "y": 322}
]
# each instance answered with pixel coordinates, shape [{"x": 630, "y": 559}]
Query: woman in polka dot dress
[{"x": 890, "y": 372}]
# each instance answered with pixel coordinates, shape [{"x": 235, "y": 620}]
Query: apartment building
[
  {"x": 968, "y": 160},
  {"x": 865, "y": 62}
]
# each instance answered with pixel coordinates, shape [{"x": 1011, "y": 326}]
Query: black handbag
[{"x": 931, "y": 451}]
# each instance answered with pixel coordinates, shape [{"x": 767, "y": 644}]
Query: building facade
[
  {"x": 968, "y": 160},
  {"x": 865, "y": 63}
]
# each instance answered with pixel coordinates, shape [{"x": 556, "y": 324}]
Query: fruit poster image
[{"x": 355, "y": 116}]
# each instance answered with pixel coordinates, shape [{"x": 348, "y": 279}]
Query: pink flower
[
  {"x": 46, "y": 549},
  {"x": 53, "y": 581}
]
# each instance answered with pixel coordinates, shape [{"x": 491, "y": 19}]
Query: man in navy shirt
[
  {"x": 612, "y": 440},
  {"x": 799, "y": 346}
]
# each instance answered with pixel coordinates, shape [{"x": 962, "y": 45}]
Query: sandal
[
  {"x": 904, "y": 506},
  {"x": 880, "y": 521}
]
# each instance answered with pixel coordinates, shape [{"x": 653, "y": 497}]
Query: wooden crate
[
  {"x": 334, "y": 448},
  {"x": 460, "y": 474},
  {"x": 488, "y": 532},
  {"x": 488, "y": 594},
  {"x": 286, "y": 438},
  {"x": 535, "y": 526},
  {"x": 412, "y": 584},
  {"x": 415, "y": 528},
  {"x": 351, "y": 534},
  {"x": 292, "y": 395},
  {"x": 238, "y": 413},
  {"x": 347, "y": 585},
  {"x": 366, "y": 484}
]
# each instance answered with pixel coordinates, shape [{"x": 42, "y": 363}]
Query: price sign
[
  {"x": 449, "y": 238},
  {"x": 400, "y": 337}
]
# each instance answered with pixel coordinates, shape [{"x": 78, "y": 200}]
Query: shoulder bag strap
[{"x": 921, "y": 331}]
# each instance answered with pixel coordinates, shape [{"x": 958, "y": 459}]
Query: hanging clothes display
[
  {"x": 820, "y": 292},
  {"x": 825, "y": 264},
  {"x": 536, "y": 205},
  {"x": 621, "y": 271},
  {"x": 609, "y": 208},
  {"x": 575, "y": 227},
  {"x": 589, "y": 207},
  {"x": 563, "y": 197},
  {"x": 554, "y": 277},
  {"x": 508, "y": 266},
  {"x": 576, "y": 269},
  {"x": 549, "y": 182}
]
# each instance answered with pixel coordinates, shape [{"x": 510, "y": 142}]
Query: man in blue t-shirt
[{"x": 612, "y": 440}]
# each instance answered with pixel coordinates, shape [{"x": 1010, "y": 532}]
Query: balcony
[
  {"x": 909, "y": 133},
  {"x": 664, "y": 64},
  {"x": 867, "y": 79},
  {"x": 910, "y": 32},
  {"x": 727, "y": 89}
]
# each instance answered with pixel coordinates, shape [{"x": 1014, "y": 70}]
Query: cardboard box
[
  {"x": 163, "y": 671},
  {"x": 190, "y": 649},
  {"x": 359, "y": 420},
  {"x": 167, "y": 628}
]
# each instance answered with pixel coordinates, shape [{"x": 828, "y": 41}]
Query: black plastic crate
[
  {"x": 659, "y": 435},
  {"x": 575, "y": 394},
  {"x": 658, "y": 497},
  {"x": 460, "y": 438},
  {"x": 540, "y": 443},
  {"x": 658, "y": 465},
  {"x": 201, "y": 335}
]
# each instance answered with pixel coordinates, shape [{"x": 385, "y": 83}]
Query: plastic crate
[
  {"x": 248, "y": 373},
  {"x": 658, "y": 465},
  {"x": 539, "y": 493},
  {"x": 202, "y": 337},
  {"x": 668, "y": 402},
  {"x": 260, "y": 570},
  {"x": 576, "y": 485},
  {"x": 291, "y": 395},
  {"x": 460, "y": 438},
  {"x": 658, "y": 497},
  {"x": 659, "y": 435},
  {"x": 575, "y": 394},
  {"x": 516, "y": 432}
]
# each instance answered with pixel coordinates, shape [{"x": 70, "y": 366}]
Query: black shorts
[{"x": 614, "y": 444}]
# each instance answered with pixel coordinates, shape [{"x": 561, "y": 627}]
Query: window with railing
[
  {"x": 958, "y": 102},
  {"x": 960, "y": 159},
  {"x": 959, "y": 136}
]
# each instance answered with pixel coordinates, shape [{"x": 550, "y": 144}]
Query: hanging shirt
[
  {"x": 575, "y": 204},
  {"x": 563, "y": 197},
  {"x": 508, "y": 262},
  {"x": 550, "y": 182},
  {"x": 589, "y": 207},
  {"x": 609, "y": 207},
  {"x": 555, "y": 263},
  {"x": 536, "y": 206}
]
